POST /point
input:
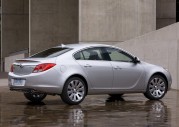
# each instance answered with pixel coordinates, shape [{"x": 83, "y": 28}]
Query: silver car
[{"x": 75, "y": 70}]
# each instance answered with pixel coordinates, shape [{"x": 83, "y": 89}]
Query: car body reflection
[
  {"x": 115, "y": 112},
  {"x": 39, "y": 114}
]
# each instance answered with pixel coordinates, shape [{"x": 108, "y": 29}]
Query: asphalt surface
[
  {"x": 3, "y": 79},
  {"x": 133, "y": 110}
]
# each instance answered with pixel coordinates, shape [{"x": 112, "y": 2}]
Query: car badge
[{"x": 20, "y": 65}]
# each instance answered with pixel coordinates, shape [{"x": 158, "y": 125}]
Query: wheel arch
[
  {"x": 161, "y": 74},
  {"x": 81, "y": 77}
]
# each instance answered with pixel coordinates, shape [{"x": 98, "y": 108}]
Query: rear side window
[
  {"x": 79, "y": 56},
  {"x": 52, "y": 52},
  {"x": 89, "y": 54}
]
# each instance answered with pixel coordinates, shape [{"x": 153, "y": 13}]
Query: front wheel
[
  {"x": 74, "y": 91},
  {"x": 35, "y": 97},
  {"x": 157, "y": 88}
]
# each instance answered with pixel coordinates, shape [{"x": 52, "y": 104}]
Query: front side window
[
  {"x": 89, "y": 54},
  {"x": 52, "y": 52},
  {"x": 118, "y": 55}
]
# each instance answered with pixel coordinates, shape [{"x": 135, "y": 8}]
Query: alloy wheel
[
  {"x": 76, "y": 90},
  {"x": 157, "y": 87}
]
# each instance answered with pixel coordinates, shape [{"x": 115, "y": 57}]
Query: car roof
[
  {"x": 79, "y": 46},
  {"x": 83, "y": 45}
]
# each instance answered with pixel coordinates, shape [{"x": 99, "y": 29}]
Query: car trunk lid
[{"x": 26, "y": 66}]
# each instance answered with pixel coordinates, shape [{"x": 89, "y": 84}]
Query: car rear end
[
  {"x": 39, "y": 73},
  {"x": 34, "y": 75}
]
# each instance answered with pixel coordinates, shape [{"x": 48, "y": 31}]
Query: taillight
[
  {"x": 43, "y": 67},
  {"x": 12, "y": 68}
]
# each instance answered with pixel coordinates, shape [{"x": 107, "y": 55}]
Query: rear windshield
[{"x": 52, "y": 52}]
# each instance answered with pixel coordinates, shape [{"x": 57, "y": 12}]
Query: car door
[
  {"x": 127, "y": 74},
  {"x": 98, "y": 71}
]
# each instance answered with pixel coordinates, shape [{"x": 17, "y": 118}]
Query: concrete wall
[
  {"x": 160, "y": 47},
  {"x": 53, "y": 22},
  {"x": 166, "y": 12},
  {"x": 115, "y": 20},
  {"x": 15, "y": 26},
  {"x": 10, "y": 59}
]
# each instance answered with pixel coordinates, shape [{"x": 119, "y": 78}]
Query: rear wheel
[
  {"x": 157, "y": 88},
  {"x": 74, "y": 91},
  {"x": 35, "y": 97}
]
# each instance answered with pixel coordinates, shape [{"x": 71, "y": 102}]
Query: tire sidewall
[
  {"x": 148, "y": 93},
  {"x": 64, "y": 95}
]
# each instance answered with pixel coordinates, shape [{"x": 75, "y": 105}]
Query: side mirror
[{"x": 136, "y": 60}]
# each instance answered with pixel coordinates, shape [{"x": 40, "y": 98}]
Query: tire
[
  {"x": 116, "y": 95},
  {"x": 156, "y": 88},
  {"x": 35, "y": 97},
  {"x": 74, "y": 91}
]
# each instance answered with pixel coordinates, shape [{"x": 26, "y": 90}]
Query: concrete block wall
[
  {"x": 160, "y": 47},
  {"x": 166, "y": 12},
  {"x": 52, "y": 22},
  {"x": 115, "y": 20},
  {"x": 15, "y": 26},
  {"x": 10, "y": 59}
]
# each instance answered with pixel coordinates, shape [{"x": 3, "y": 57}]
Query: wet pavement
[{"x": 133, "y": 110}]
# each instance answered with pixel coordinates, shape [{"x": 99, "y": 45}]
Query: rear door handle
[
  {"x": 87, "y": 65},
  {"x": 117, "y": 68}
]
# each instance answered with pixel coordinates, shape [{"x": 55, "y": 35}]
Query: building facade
[{"x": 29, "y": 26}]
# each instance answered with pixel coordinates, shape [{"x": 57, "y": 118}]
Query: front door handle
[{"x": 87, "y": 65}]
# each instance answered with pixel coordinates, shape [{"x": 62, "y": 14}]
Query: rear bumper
[
  {"x": 25, "y": 90},
  {"x": 46, "y": 82}
]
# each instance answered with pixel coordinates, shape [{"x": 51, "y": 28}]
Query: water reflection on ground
[{"x": 100, "y": 111}]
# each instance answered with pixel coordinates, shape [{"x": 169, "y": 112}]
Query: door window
[
  {"x": 89, "y": 54},
  {"x": 118, "y": 55}
]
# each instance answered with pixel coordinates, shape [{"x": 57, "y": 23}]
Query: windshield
[{"x": 52, "y": 52}]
